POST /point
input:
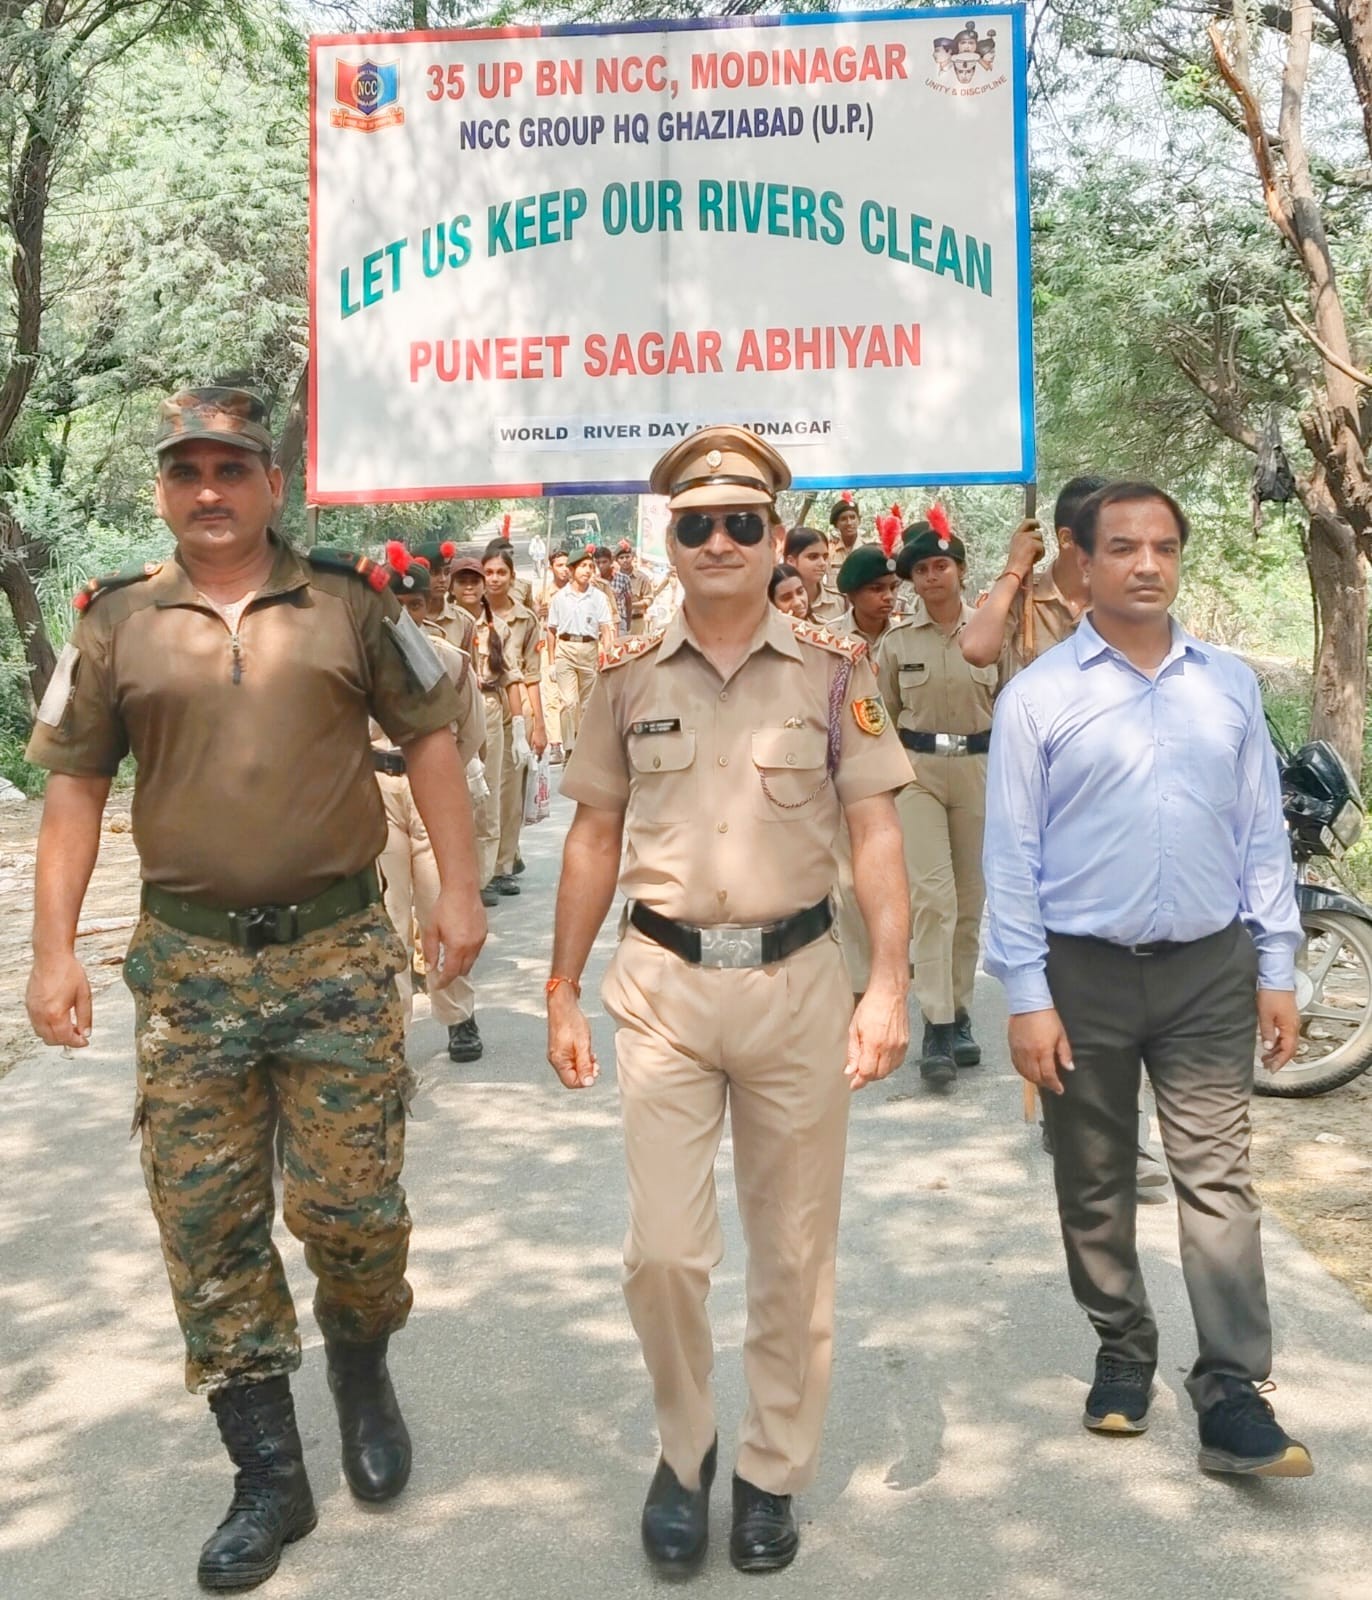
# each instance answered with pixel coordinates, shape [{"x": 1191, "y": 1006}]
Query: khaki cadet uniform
[
  {"x": 641, "y": 597},
  {"x": 852, "y": 930},
  {"x": 522, "y": 593},
  {"x": 496, "y": 707},
  {"x": 457, "y": 626},
  {"x": 1053, "y": 620},
  {"x": 256, "y": 815},
  {"x": 731, "y": 813},
  {"x": 929, "y": 689},
  {"x": 831, "y": 609},
  {"x": 577, "y": 657},
  {"x": 552, "y": 701},
  {"x": 409, "y": 872},
  {"x": 522, "y": 633}
]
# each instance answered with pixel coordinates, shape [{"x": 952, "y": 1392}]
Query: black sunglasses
[{"x": 743, "y": 527}]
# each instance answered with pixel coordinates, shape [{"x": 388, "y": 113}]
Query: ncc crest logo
[{"x": 367, "y": 93}]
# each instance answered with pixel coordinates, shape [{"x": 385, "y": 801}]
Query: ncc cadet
[
  {"x": 845, "y": 529},
  {"x": 409, "y": 871},
  {"x": 641, "y": 588},
  {"x": 241, "y": 675},
  {"x": 554, "y": 578},
  {"x": 581, "y": 627},
  {"x": 526, "y": 735},
  {"x": 722, "y": 753},
  {"x": 445, "y": 616},
  {"x": 867, "y": 582},
  {"x": 942, "y": 709}
]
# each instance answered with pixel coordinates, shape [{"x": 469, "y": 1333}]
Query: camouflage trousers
[{"x": 229, "y": 1042}]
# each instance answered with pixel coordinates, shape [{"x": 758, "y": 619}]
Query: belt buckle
[
  {"x": 260, "y": 926},
  {"x": 731, "y": 947},
  {"x": 950, "y": 744}
]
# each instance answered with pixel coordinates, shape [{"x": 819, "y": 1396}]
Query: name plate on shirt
[{"x": 663, "y": 725}]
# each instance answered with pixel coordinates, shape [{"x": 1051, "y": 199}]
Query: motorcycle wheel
[{"x": 1334, "y": 991}]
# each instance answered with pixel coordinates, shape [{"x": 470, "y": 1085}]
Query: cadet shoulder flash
[
  {"x": 362, "y": 568},
  {"x": 90, "y": 592}
]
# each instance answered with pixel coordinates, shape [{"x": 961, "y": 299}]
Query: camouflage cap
[{"x": 228, "y": 416}]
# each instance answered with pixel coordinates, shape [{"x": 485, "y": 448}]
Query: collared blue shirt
[{"x": 1132, "y": 809}]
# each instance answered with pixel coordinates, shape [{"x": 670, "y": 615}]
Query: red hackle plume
[
  {"x": 937, "y": 518},
  {"x": 397, "y": 556},
  {"x": 505, "y": 527},
  {"x": 847, "y": 497},
  {"x": 888, "y": 530}
]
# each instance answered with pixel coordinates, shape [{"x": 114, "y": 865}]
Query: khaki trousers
[
  {"x": 409, "y": 877},
  {"x": 487, "y": 814},
  {"x": 512, "y": 781},
  {"x": 942, "y": 818},
  {"x": 769, "y": 1043},
  {"x": 552, "y": 700},
  {"x": 1191, "y": 1016},
  {"x": 575, "y": 670}
]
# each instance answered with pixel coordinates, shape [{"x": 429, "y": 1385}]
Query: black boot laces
[
  {"x": 1247, "y": 1399},
  {"x": 1115, "y": 1370}
]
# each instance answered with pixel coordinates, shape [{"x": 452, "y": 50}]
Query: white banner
[{"x": 540, "y": 256}]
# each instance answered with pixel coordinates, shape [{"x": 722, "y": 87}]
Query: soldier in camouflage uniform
[{"x": 241, "y": 676}]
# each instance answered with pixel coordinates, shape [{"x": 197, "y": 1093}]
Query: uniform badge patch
[{"x": 870, "y": 714}]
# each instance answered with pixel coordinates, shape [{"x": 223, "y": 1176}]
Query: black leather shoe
[
  {"x": 503, "y": 883},
  {"x": 272, "y": 1505},
  {"x": 765, "y": 1537},
  {"x": 936, "y": 1054},
  {"x": 489, "y": 897},
  {"x": 518, "y": 866},
  {"x": 376, "y": 1442},
  {"x": 676, "y": 1521},
  {"x": 966, "y": 1050},
  {"x": 464, "y": 1041}
]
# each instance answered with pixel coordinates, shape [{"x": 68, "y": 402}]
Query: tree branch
[{"x": 1325, "y": 353}]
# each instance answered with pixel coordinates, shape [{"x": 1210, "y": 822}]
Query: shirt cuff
[
  {"x": 1276, "y": 970},
  {"x": 1026, "y": 989}
]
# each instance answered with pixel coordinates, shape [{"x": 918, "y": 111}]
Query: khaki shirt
[
  {"x": 469, "y": 726},
  {"x": 254, "y": 781},
  {"x": 926, "y": 684},
  {"x": 830, "y": 609},
  {"x": 492, "y": 682},
  {"x": 523, "y": 592},
  {"x": 457, "y": 626},
  {"x": 1054, "y": 621},
  {"x": 848, "y": 629},
  {"x": 730, "y": 812},
  {"x": 640, "y": 596},
  {"x": 520, "y": 640}
]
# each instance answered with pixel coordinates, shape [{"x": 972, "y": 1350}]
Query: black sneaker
[
  {"x": 936, "y": 1054},
  {"x": 1118, "y": 1401},
  {"x": 503, "y": 883},
  {"x": 1241, "y": 1434},
  {"x": 464, "y": 1042},
  {"x": 519, "y": 865},
  {"x": 966, "y": 1050},
  {"x": 489, "y": 897}
]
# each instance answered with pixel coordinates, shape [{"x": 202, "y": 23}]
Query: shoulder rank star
[{"x": 870, "y": 714}]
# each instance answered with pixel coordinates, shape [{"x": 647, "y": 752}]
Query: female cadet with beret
[
  {"x": 942, "y": 709},
  {"x": 525, "y": 734}
]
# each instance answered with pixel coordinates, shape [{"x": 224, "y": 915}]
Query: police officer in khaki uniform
[
  {"x": 240, "y": 676},
  {"x": 409, "y": 873},
  {"x": 722, "y": 754},
  {"x": 942, "y": 709}
]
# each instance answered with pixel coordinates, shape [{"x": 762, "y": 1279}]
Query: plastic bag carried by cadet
[{"x": 538, "y": 795}]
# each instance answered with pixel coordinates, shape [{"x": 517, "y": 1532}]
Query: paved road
[{"x": 955, "y": 1465}]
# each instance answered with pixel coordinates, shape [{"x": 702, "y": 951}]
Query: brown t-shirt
[
  {"x": 730, "y": 813},
  {"x": 254, "y": 783}
]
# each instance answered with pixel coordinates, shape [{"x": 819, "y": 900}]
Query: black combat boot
[
  {"x": 676, "y": 1520},
  {"x": 376, "y": 1442},
  {"x": 272, "y": 1504},
  {"x": 936, "y": 1054},
  {"x": 966, "y": 1050}
]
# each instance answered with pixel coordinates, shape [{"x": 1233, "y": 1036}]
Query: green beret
[
  {"x": 437, "y": 554},
  {"x": 866, "y": 564},
  {"x": 577, "y": 553},
  {"x": 838, "y": 508},
  {"x": 919, "y": 542}
]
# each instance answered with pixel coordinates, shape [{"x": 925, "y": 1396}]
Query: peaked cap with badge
[
  {"x": 227, "y": 416},
  {"x": 722, "y": 465}
]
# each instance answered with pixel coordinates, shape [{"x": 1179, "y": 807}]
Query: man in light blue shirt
[{"x": 1141, "y": 908}]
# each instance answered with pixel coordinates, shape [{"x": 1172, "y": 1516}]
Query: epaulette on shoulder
[
  {"x": 362, "y": 568},
  {"x": 637, "y": 644},
  {"x": 91, "y": 591},
  {"x": 817, "y": 634}
]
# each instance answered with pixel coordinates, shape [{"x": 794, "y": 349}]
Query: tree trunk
[
  {"x": 16, "y": 583},
  {"x": 1340, "y": 581},
  {"x": 290, "y": 446},
  {"x": 1355, "y": 31}
]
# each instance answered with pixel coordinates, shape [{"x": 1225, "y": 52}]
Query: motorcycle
[{"x": 1324, "y": 813}]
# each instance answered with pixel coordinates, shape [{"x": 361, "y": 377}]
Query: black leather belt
[
  {"x": 946, "y": 744},
  {"x": 579, "y": 638},
  {"x": 733, "y": 946},
  {"x": 391, "y": 762},
  {"x": 1157, "y": 947}
]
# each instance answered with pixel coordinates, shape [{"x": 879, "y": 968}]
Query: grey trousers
[{"x": 1190, "y": 1015}]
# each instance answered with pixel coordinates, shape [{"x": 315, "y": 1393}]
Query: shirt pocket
[
  {"x": 912, "y": 680},
  {"x": 791, "y": 771},
  {"x": 1211, "y": 762},
  {"x": 662, "y": 785}
]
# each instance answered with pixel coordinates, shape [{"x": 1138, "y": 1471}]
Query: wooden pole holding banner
[{"x": 1031, "y": 502}]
